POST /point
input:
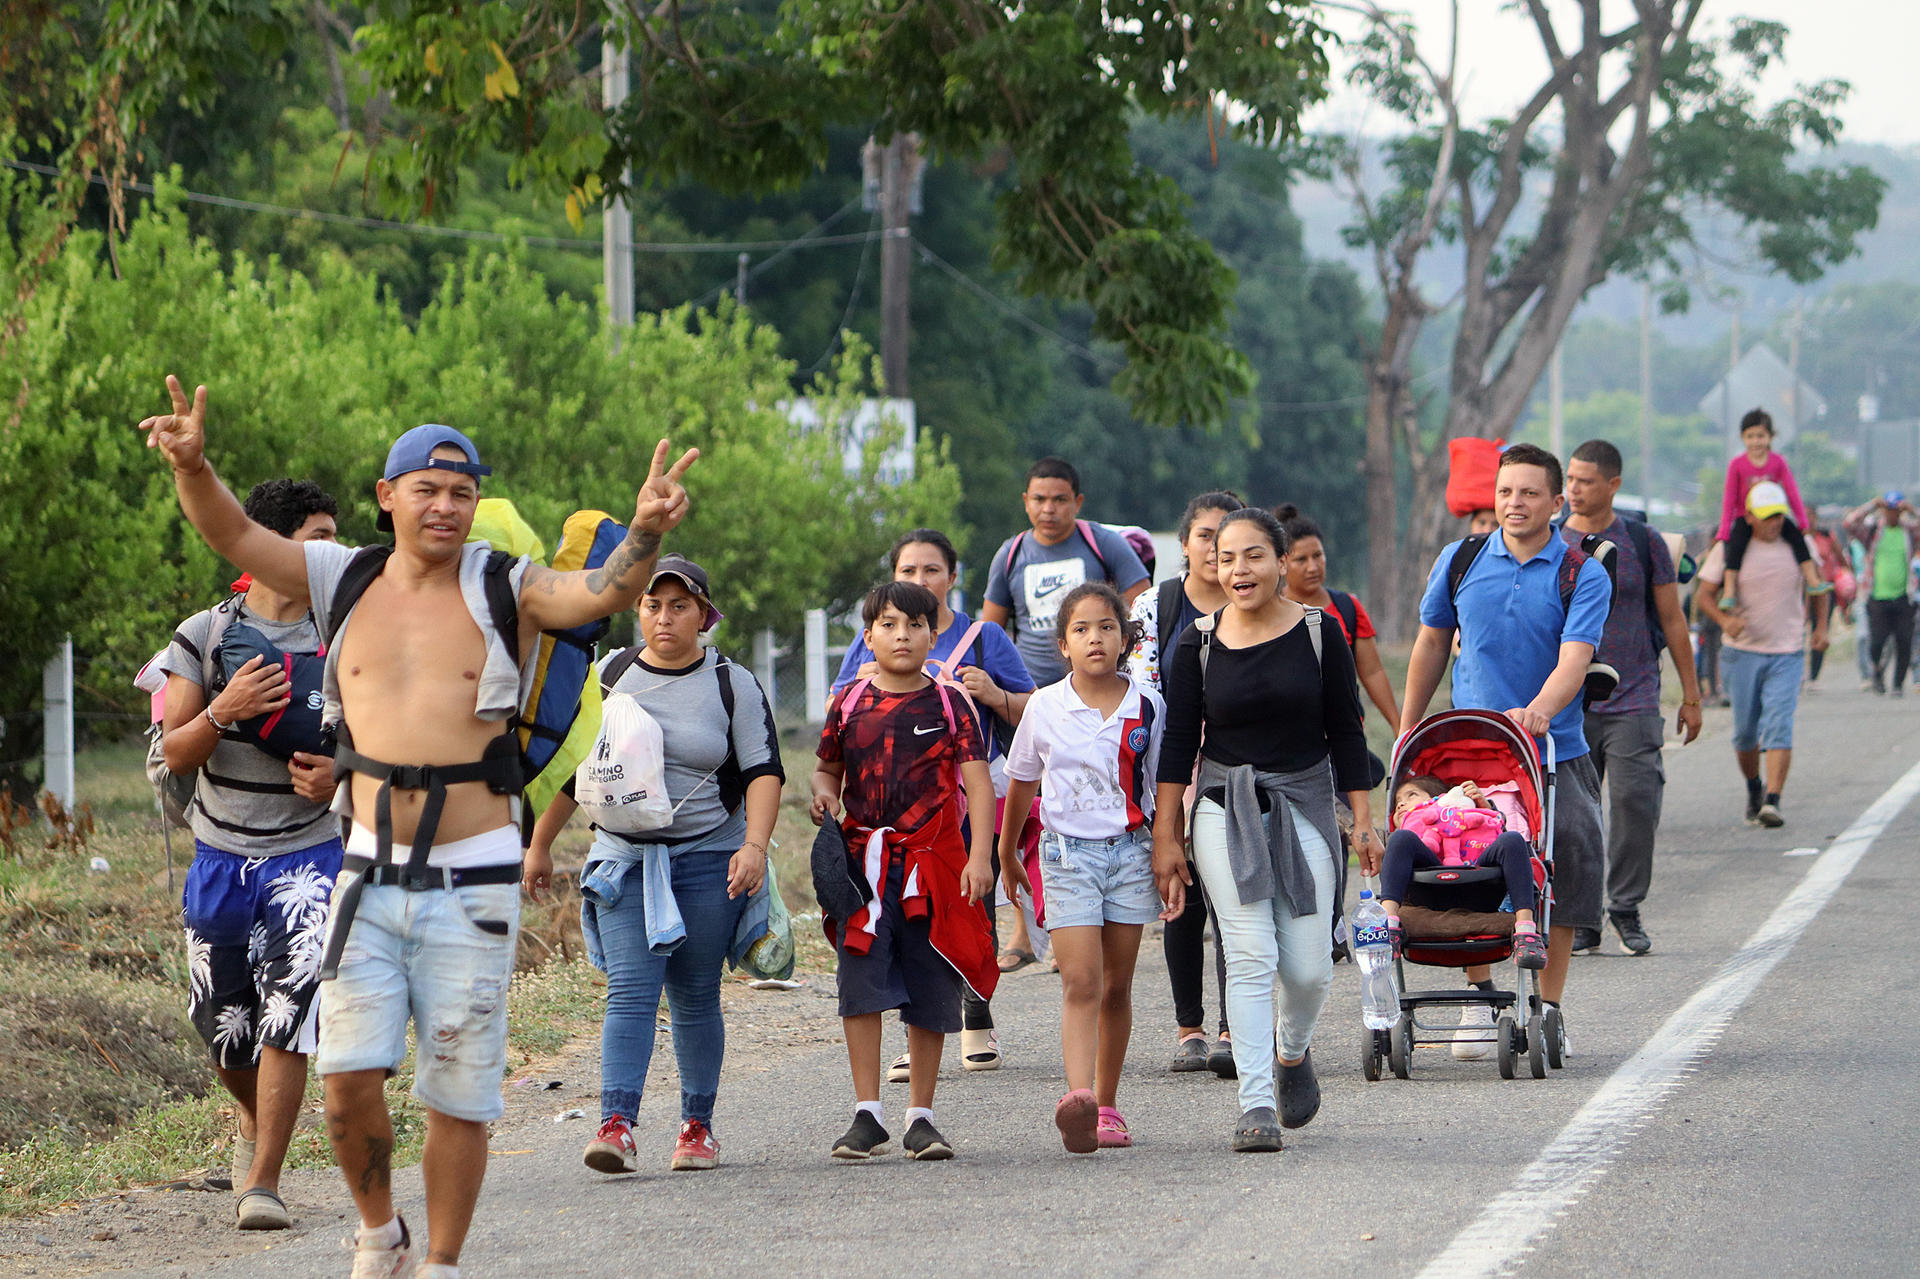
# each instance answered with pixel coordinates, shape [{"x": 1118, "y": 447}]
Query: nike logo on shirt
[{"x": 922, "y": 732}]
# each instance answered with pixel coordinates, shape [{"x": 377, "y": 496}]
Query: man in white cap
[
  {"x": 1764, "y": 653},
  {"x": 424, "y": 678}
]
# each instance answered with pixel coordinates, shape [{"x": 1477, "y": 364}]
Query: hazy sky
[{"x": 1873, "y": 44}]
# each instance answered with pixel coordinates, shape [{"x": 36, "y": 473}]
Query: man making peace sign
[{"x": 422, "y": 686}]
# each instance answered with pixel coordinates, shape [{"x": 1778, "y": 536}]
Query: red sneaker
[
  {"x": 696, "y": 1151},
  {"x": 612, "y": 1150}
]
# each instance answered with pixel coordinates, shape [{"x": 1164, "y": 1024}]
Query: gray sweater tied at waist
[{"x": 1263, "y": 848}]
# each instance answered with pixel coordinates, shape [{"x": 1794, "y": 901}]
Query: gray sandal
[
  {"x": 1259, "y": 1131},
  {"x": 261, "y": 1209},
  {"x": 1299, "y": 1092},
  {"x": 1189, "y": 1055}
]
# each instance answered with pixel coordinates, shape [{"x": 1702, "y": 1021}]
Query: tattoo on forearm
[{"x": 639, "y": 549}]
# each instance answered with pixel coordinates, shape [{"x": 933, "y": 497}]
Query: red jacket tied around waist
[{"x": 933, "y": 857}]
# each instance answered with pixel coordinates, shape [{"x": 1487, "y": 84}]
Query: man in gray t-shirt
[
  {"x": 1033, "y": 570},
  {"x": 266, "y": 853}
]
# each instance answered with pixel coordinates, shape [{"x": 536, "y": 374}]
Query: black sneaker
[
  {"x": 1632, "y": 935},
  {"x": 1586, "y": 940},
  {"x": 923, "y": 1141},
  {"x": 864, "y": 1140},
  {"x": 1299, "y": 1093}
]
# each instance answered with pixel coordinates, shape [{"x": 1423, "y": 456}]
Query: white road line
[{"x": 1513, "y": 1222}]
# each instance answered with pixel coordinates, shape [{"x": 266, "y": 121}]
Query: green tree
[
  {"x": 314, "y": 376},
  {"x": 743, "y": 99},
  {"x": 1631, "y": 134}
]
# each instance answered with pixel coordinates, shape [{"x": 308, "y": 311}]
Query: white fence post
[
  {"x": 763, "y": 664},
  {"x": 56, "y": 694},
  {"x": 816, "y": 666}
]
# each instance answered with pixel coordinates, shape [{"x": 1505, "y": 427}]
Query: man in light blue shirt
[{"x": 1525, "y": 653}]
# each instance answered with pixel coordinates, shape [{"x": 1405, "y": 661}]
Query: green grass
[{"x": 104, "y": 1083}]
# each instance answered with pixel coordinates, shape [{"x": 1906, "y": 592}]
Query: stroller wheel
[
  {"x": 1554, "y": 1029},
  {"x": 1400, "y": 1047},
  {"x": 1537, "y": 1046},
  {"x": 1506, "y": 1036},
  {"x": 1373, "y": 1048}
]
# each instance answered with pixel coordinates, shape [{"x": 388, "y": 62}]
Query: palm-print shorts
[{"x": 256, "y": 929}]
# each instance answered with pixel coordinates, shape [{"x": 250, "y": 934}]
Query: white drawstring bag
[{"x": 622, "y": 783}]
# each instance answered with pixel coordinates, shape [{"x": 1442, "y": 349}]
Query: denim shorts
[
  {"x": 1089, "y": 882},
  {"x": 445, "y": 958},
  {"x": 1765, "y": 691}
]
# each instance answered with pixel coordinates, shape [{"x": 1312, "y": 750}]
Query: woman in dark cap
[{"x": 666, "y": 909}]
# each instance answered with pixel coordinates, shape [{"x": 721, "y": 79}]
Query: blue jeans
[{"x": 690, "y": 976}]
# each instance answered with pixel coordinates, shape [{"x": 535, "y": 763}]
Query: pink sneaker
[
  {"x": 1078, "y": 1117},
  {"x": 696, "y": 1151},
  {"x": 612, "y": 1150},
  {"x": 1112, "y": 1131}
]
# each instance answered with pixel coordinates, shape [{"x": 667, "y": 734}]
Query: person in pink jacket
[
  {"x": 1759, "y": 464},
  {"x": 1458, "y": 827}
]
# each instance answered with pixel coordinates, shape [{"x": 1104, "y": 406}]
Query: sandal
[
  {"x": 261, "y": 1209},
  {"x": 1112, "y": 1132},
  {"x": 1013, "y": 959},
  {"x": 980, "y": 1049},
  {"x": 242, "y": 1160},
  {"x": 1189, "y": 1055},
  {"x": 902, "y": 1069},
  {"x": 1259, "y": 1131},
  {"x": 1220, "y": 1060},
  {"x": 1299, "y": 1092},
  {"x": 1077, "y": 1116}
]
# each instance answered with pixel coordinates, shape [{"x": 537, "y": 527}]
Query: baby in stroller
[{"x": 1461, "y": 826}]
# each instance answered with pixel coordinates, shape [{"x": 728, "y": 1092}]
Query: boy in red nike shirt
[{"x": 898, "y": 750}]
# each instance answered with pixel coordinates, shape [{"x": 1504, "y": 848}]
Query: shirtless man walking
[{"x": 418, "y": 676}]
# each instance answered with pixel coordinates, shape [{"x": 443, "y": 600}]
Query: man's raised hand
[
  {"x": 181, "y": 436},
  {"x": 662, "y": 503}
]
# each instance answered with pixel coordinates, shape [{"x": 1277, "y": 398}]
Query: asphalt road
[{"x": 1779, "y": 1146}]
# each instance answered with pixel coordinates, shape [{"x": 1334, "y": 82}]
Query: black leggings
[
  {"x": 1185, "y": 943},
  {"x": 1406, "y": 854},
  {"x": 1890, "y": 620},
  {"x": 1743, "y": 533}
]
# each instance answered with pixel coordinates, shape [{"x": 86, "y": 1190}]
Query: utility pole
[
  {"x": 1646, "y": 399},
  {"x": 616, "y": 235},
  {"x": 1556, "y": 406},
  {"x": 1793, "y": 361},
  {"x": 899, "y": 163},
  {"x": 740, "y": 280}
]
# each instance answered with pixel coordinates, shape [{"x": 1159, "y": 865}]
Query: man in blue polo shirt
[{"x": 1524, "y": 653}]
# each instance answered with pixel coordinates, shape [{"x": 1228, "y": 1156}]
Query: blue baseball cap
[{"x": 413, "y": 451}]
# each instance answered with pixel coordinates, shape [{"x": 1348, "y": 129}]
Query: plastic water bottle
[{"x": 1373, "y": 953}]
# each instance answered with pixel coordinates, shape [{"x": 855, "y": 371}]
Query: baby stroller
[{"x": 1452, "y": 916}]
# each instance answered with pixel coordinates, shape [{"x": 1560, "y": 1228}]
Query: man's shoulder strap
[
  {"x": 366, "y": 564},
  {"x": 503, "y": 605},
  {"x": 1463, "y": 557},
  {"x": 1013, "y": 549},
  {"x": 1090, "y": 534}
]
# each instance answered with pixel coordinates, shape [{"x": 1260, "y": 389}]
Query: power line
[
  {"x": 853, "y": 300},
  {"x": 811, "y": 239}
]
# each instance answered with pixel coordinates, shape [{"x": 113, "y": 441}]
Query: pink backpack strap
[
  {"x": 1093, "y": 544},
  {"x": 952, "y": 659},
  {"x": 852, "y": 696}
]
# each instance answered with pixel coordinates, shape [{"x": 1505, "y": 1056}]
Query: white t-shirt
[{"x": 1096, "y": 773}]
